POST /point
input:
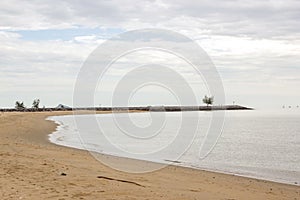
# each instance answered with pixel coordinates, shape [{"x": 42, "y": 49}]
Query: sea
[{"x": 251, "y": 143}]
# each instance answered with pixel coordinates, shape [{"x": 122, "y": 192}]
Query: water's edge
[{"x": 61, "y": 126}]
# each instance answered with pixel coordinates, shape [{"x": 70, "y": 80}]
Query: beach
[{"x": 34, "y": 168}]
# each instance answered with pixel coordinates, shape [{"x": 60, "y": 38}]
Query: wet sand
[{"x": 33, "y": 168}]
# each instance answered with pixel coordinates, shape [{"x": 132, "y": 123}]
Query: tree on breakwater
[
  {"x": 36, "y": 104},
  {"x": 208, "y": 100},
  {"x": 20, "y": 105}
]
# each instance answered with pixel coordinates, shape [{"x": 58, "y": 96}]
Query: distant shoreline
[{"x": 132, "y": 108}]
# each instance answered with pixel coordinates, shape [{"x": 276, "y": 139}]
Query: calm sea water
[{"x": 258, "y": 144}]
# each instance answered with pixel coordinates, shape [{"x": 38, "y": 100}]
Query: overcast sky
[{"x": 254, "y": 44}]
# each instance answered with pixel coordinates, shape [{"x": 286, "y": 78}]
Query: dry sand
[{"x": 31, "y": 168}]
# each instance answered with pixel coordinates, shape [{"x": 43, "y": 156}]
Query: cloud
[
  {"x": 38, "y": 68},
  {"x": 253, "y": 18},
  {"x": 254, "y": 44}
]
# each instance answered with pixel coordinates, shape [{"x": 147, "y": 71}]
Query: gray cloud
[
  {"x": 254, "y": 18},
  {"x": 254, "y": 43}
]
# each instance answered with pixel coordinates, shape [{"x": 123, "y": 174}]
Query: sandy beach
[{"x": 34, "y": 168}]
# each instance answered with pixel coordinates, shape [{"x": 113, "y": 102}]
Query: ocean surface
[{"x": 257, "y": 144}]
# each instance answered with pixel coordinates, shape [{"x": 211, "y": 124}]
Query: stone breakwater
[{"x": 132, "y": 108}]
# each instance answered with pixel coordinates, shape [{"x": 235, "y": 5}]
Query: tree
[
  {"x": 36, "y": 104},
  {"x": 19, "y": 105},
  {"x": 208, "y": 100}
]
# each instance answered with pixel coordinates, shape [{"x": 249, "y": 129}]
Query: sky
[{"x": 254, "y": 45}]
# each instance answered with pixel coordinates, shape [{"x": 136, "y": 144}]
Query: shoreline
[
  {"x": 29, "y": 160},
  {"x": 176, "y": 163},
  {"x": 55, "y": 138}
]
